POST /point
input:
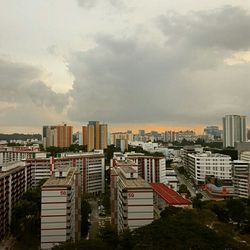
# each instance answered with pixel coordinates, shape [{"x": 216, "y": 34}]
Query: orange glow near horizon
[{"x": 154, "y": 127}]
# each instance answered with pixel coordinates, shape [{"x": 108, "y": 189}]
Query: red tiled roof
[{"x": 169, "y": 195}]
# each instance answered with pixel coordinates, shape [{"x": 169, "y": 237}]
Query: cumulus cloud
[
  {"x": 23, "y": 94},
  {"x": 185, "y": 81}
]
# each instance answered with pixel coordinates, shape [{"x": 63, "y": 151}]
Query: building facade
[
  {"x": 234, "y": 130},
  {"x": 14, "y": 154},
  {"x": 150, "y": 168},
  {"x": 61, "y": 208},
  {"x": 57, "y": 136},
  {"x": 95, "y": 135},
  {"x": 207, "y": 164},
  {"x": 131, "y": 197},
  {"x": 15, "y": 180},
  {"x": 90, "y": 165},
  {"x": 241, "y": 178}
]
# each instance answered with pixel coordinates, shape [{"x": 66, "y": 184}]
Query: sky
[{"x": 134, "y": 64}]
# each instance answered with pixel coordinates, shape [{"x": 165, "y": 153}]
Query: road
[
  {"x": 94, "y": 220},
  {"x": 183, "y": 180}
]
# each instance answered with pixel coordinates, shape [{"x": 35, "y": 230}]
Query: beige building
[
  {"x": 95, "y": 135},
  {"x": 61, "y": 208},
  {"x": 57, "y": 136}
]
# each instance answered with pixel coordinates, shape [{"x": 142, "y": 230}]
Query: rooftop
[
  {"x": 170, "y": 196},
  {"x": 57, "y": 181},
  {"x": 126, "y": 162},
  {"x": 132, "y": 183},
  {"x": 128, "y": 169},
  {"x": 209, "y": 155}
]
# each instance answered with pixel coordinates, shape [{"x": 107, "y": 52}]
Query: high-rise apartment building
[
  {"x": 60, "y": 208},
  {"x": 57, "y": 136},
  {"x": 131, "y": 197},
  {"x": 95, "y": 135},
  {"x": 15, "y": 180},
  {"x": 234, "y": 130}
]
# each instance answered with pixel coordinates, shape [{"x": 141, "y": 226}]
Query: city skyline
[{"x": 123, "y": 62}]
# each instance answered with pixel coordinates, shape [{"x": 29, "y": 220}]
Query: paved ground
[{"x": 94, "y": 219}]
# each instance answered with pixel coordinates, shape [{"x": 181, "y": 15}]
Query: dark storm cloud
[
  {"x": 185, "y": 81},
  {"x": 20, "y": 84},
  {"x": 223, "y": 28}
]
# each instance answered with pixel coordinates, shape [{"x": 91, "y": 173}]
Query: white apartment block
[
  {"x": 241, "y": 178},
  {"x": 131, "y": 197},
  {"x": 61, "y": 208},
  {"x": 91, "y": 166},
  {"x": 15, "y": 180},
  {"x": 205, "y": 164}
]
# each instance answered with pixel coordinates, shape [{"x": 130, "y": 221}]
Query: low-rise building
[
  {"x": 165, "y": 197},
  {"x": 60, "y": 208},
  {"x": 206, "y": 164}
]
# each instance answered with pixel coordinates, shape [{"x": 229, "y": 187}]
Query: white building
[
  {"x": 241, "y": 178},
  {"x": 234, "y": 130},
  {"x": 207, "y": 164},
  {"x": 172, "y": 181},
  {"x": 131, "y": 197},
  {"x": 60, "y": 208}
]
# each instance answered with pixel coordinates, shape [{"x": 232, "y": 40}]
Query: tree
[
  {"x": 236, "y": 210},
  {"x": 184, "y": 190},
  {"x": 197, "y": 203},
  {"x": 221, "y": 212},
  {"x": 109, "y": 235},
  {"x": 85, "y": 211},
  {"x": 25, "y": 222}
]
